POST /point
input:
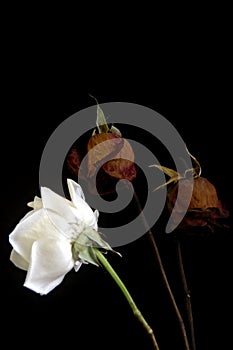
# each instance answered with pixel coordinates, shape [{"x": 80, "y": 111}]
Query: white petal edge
[
  {"x": 85, "y": 213},
  {"x": 77, "y": 265},
  {"x": 51, "y": 260},
  {"x": 36, "y": 204},
  {"x": 75, "y": 211},
  {"x": 75, "y": 190},
  {"x": 56, "y": 203},
  {"x": 18, "y": 260},
  {"x": 34, "y": 227}
]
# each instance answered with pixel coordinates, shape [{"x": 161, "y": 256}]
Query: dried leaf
[
  {"x": 174, "y": 175},
  {"x": 167, "y": 171},
  {"x": 197, "y": 166},
  {"x": 173, "y": 179},
  {"x": 101, "y": 122},
  {"x": 115, "y": 131}
]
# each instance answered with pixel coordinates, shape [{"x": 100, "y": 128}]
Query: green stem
[{"x": 127, "y": 295}]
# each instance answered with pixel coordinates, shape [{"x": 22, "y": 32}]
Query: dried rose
[
  {"x": 118, "y": 150},
  {"x": 109, "y": 157},
  {"x": 205, "y": 208}
]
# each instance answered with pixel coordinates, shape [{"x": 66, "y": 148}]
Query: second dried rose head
[
  {"x": 104, "y": 158},
  {"x": 204, "y": 210}
]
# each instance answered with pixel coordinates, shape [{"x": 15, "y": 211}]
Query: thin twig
[
  {"x": 188, "y": 305},
  {"x": 163, "y": 273}
]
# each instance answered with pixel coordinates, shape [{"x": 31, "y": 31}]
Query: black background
[{"x": 177, "y": 63}]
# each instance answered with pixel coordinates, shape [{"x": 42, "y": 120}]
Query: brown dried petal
[
  {"x": 123, "y": 166},
  {"x": 73, "y": 161},
  {"x": 110, "y": 161},
  {"x": 204, "y": 209},
  {"x": 204, "y": 194},
  {"x": 100, "y": 151}
]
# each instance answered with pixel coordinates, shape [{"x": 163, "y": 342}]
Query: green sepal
[
  {"x": 95, "y": 238},
  {"x": 88, "y": 255},
  {"x": 101, "y": 122}
]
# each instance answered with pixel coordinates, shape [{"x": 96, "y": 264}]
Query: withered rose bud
[
  {"x": 121, "y": 155},
  {"x": 110, "y": 158},
  {"x": 205, "y": 208}
]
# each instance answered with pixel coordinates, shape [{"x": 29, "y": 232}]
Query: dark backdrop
[{"x": 181, "y": 69}]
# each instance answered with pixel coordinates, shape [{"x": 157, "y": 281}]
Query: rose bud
[
  {"x": 109, "y": 157},
  {"x": 118, "y": 150},
  {"x": 205, "y": 208}
]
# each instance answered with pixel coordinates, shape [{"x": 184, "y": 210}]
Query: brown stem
[
  {"x": 188, "y": 305},
  {"x": 163, "y": 273}
]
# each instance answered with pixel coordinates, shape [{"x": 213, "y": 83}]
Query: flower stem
[
  {"x": 188, "y": 305},
  {"x": 163, "y": 273},
  {"x": 127, "y": 295}
]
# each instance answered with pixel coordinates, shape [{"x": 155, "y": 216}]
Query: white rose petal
[
  {"x": 44, "y": 239},
  {"x": 78, "y": 199},
  {"x": 29, "y": 230},
  {"x": 36, "y": 204},
  {"x": 18, "y": 260},
  {"x": 51, "y": 260}
]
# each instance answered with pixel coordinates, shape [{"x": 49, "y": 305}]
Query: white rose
[{"x": 54, "y": 237}]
